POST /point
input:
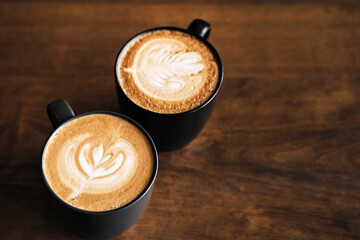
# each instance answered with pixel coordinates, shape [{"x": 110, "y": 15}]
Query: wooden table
[{"x": 279, "y": 157}]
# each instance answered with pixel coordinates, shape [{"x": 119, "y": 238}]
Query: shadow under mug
[
  {"x": 172, "y": 131},
  {"x": 97, "y": 225}
]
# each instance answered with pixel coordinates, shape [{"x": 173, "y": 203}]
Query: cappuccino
[
  {"x": 98, "y": 162},
  {"x": 167, "y": 71}
]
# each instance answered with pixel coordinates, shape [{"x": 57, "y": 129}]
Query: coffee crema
[
  {"x": 167, "y": 71},
  {"x": 98, "y": 162}
]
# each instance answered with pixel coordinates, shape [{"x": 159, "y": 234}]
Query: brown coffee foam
[
  {"x": 109, "y": 128},
  {"x": 130, "y": 88}
]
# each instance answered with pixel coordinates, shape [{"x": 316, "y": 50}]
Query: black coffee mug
[
  {"x": 97, "y": 225},
  {"x": 172, "y": 131}
]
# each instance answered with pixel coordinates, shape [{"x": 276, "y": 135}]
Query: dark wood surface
[{"x": 279, "y": 157}]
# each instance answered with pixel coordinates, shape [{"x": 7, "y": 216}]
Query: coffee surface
[
  {"x": 98, "y": 162},
  {"x": 167, "y": 71}
]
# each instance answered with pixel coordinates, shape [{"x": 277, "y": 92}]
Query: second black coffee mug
[
  {"x": 104, "y": 224},
  {"x": 172, "y": 131}
]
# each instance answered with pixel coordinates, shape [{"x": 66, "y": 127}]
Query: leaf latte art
[
  {"x": 101, "y": 166},
  {"x": 98, "y": 162},
  {"x": 89, "y": 167},
  {"x": 160, "y": 71},
  {"x": 167, "y": 71}
]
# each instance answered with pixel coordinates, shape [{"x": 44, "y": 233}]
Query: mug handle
[
  {"x": 59, "y": 111},
  {"x": 200, "y": 28}
]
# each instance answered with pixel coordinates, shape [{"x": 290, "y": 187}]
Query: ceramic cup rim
[
  {"x": 131, "y": 203},
  {"x": 213, "y": 51}
]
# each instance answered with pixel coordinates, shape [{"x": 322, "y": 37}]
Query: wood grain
[{"x": 279, "y": 157}]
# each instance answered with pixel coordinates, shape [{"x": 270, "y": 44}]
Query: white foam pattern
[
  {"x": 163, "y": 69},
  {"x": 95, "y": 167}
]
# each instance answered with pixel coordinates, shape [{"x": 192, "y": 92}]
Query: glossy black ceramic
[
  {"x": 97, "y": 225},
  {"x": 172, "y": 131}
]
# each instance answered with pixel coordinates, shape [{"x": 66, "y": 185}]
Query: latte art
[
  {"x": 89, "y": 167},
  {"x": 100, "y": 165},
  {"x": 162, "y": 71},
  {"x": 98, "y": 162},
  {"x": 167, "y": 71}
]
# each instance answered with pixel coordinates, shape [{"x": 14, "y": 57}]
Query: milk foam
[
  {"x": 98, "y": 162},
  {"x": 164, "y": 70},
  {"x": 93, "y": 168},
  {"x": 167, "y": 71}
]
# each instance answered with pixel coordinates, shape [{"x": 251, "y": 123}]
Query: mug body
[
  {"x": 105, "y": 224},
  {"x": 175, "y": 130},
  {"x": 101, "y": 225}
]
